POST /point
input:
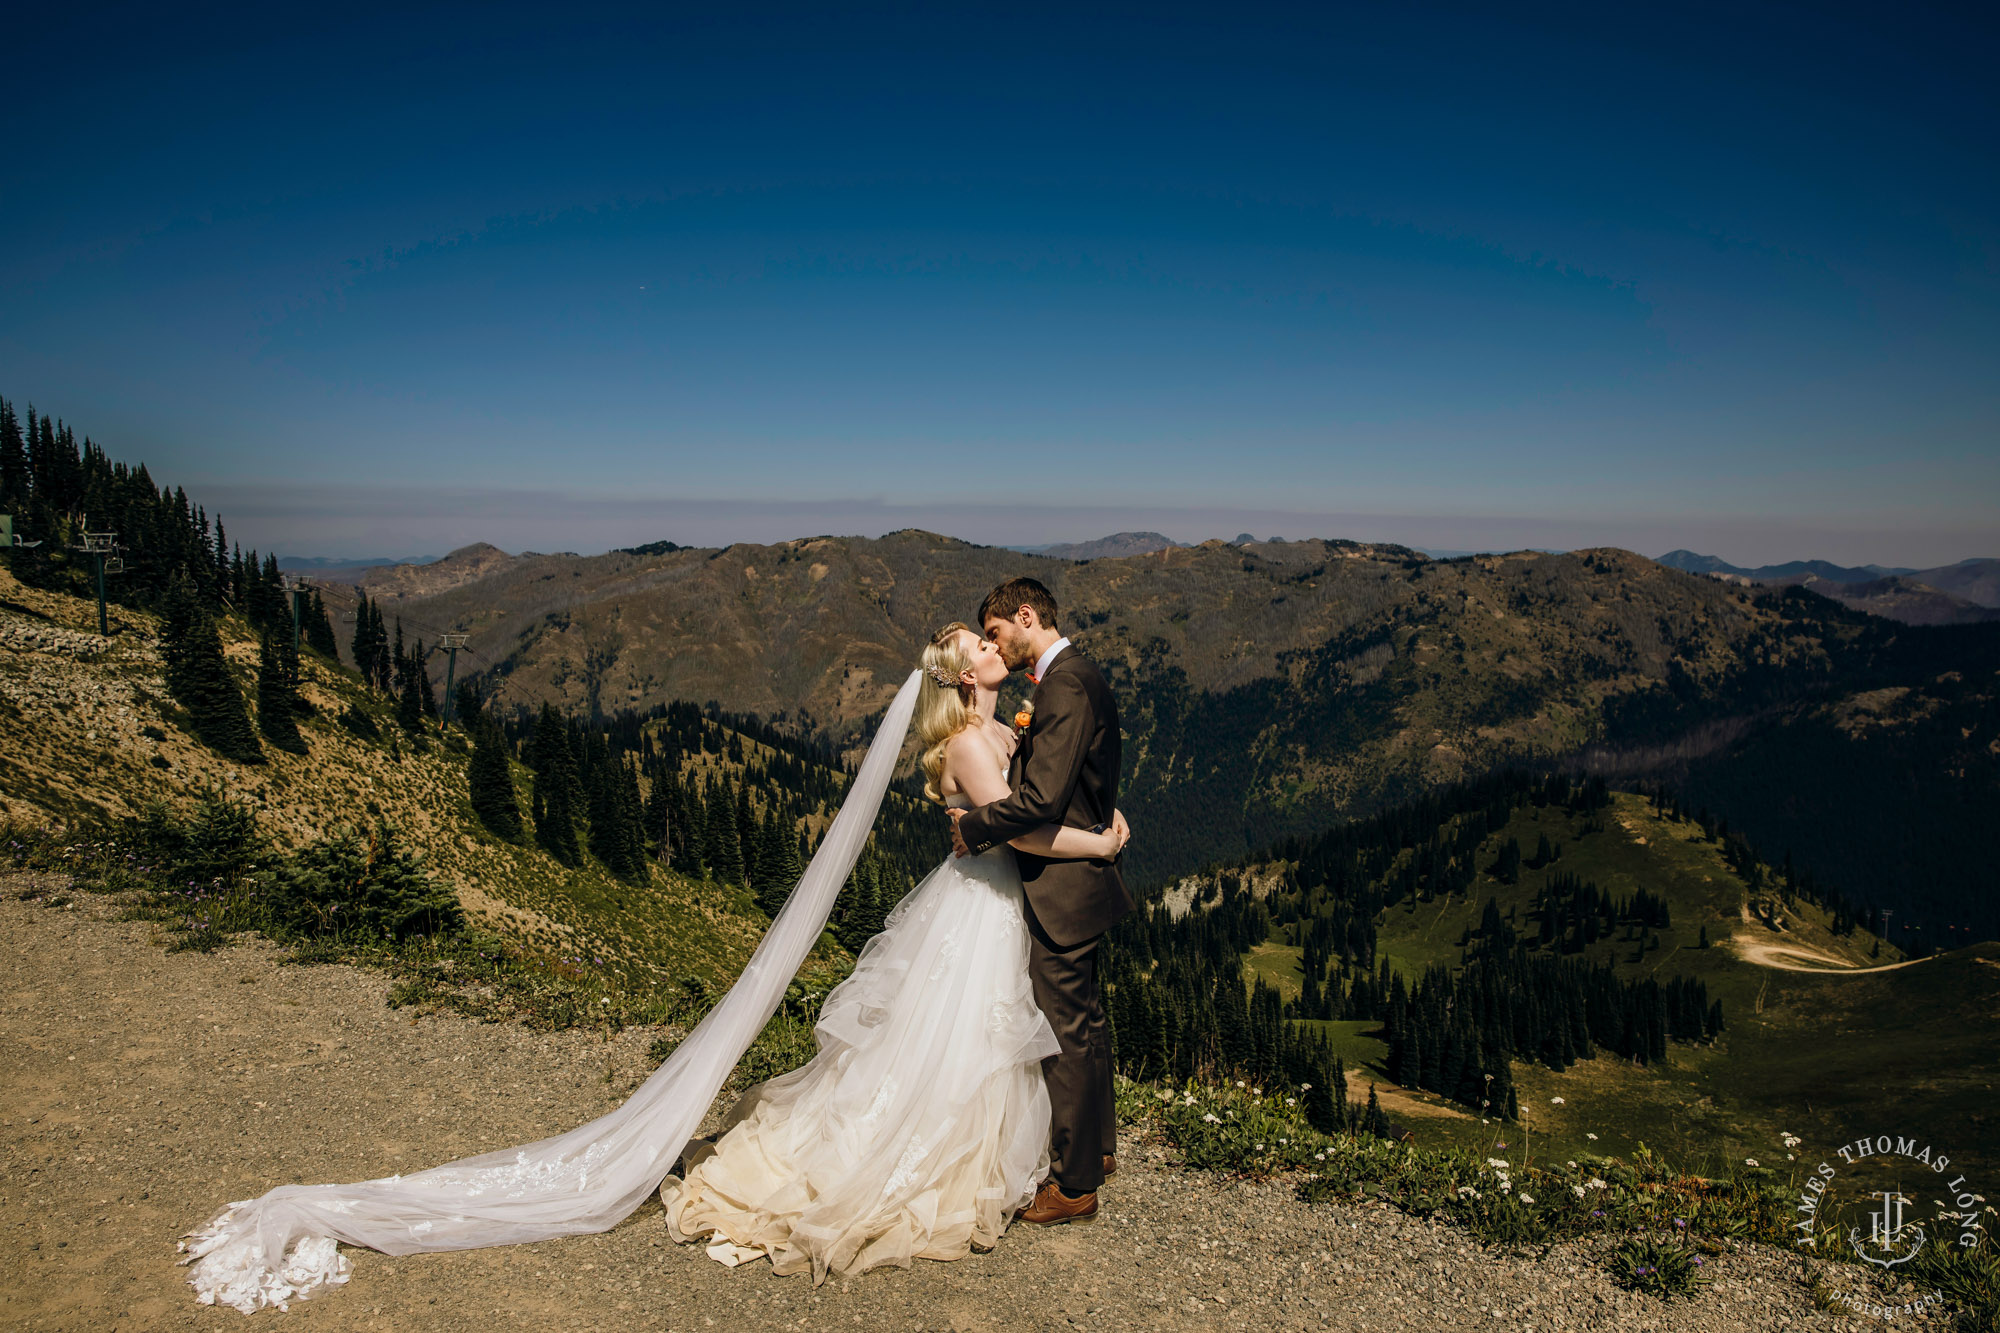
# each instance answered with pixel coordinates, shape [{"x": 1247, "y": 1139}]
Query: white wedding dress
[
  {"x": 945, "y": 1055},
  {"x": 921, "y": 1126}
]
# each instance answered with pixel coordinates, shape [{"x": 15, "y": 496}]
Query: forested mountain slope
[{"x": 1269, "y": 688}]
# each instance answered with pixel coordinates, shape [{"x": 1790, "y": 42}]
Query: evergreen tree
[
  {"x": 381, "y": 667},
  {"x": 218, "y": 579},
  {"x": 692, "y": 845},
  {"x": 662, "y": 817},
  {"x": 723, "y": 853},
  {"x": 198, "y": 678},
  {"x": 360, "y": 644},
  {"x": 555, "y": 788},
  {"x": 632, "y": 826},
  {"x": 13, "y": 461},
  {"x": 420, "y": 680},
  {"x": 318, "y": 630},
  {"x": 409, "y": 706},
  {"x": 352, "y": 888},
  {"x": 467, "y": 701},
  {"x": 1374, "y": 1122},
  {"x": 491, "y": 781},
  {"x": 611, "y": 839},
  {"x": 269, "y": 605},
  {"x": 278, "y": 702},
  {"x": 778, "y": 865}
]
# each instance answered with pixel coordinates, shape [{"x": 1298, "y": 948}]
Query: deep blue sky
[{"x": 565, "y": 278}]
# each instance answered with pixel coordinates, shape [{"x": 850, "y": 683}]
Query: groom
[{"x": 1065, "y": 770}]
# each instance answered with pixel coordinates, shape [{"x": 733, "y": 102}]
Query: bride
[
  {"x": 922, "y": 1125},
  {"x": 915, "y": 1132}
]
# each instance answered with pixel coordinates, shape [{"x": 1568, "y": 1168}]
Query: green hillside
[
  {"x": 1854, "y": 1042},
  {"x": 93, "y": 739}
]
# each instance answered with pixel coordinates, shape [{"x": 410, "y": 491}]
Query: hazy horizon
[
  {"x": 712, "y": 530},
  {"x": 1445, "y": 276}
]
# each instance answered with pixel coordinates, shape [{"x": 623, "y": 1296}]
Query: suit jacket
[{"x": 1065, "y": 771}]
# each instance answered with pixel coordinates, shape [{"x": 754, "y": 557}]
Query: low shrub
[
  {"x": 351, "y": 886},
  {"x": 1663, "y": 1266}
]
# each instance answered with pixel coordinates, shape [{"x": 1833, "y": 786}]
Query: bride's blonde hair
[{"x": 944, "y": 702}]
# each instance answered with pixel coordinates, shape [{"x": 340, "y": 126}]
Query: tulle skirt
[{"x": 921, "y": 1126}]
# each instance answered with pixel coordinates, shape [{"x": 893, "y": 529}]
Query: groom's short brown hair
[{"x": 1014, "y": 594}]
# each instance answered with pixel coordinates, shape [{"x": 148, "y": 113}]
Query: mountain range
[
  {"x": 1946, "y": 595},
  {"x": 342, "y": 569},
  {"x": 1273, "y": 687}
]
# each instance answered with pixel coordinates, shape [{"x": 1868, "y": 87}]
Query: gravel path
[{"x": 142, "y": 1090}]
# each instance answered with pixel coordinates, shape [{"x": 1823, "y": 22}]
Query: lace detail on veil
[{"x": 282, "y": 1247}]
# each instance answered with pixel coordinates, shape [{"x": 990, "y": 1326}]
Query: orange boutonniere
[{"x": 1023, "y": 716}]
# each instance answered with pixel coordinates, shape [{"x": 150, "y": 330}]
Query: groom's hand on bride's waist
[{"x": 958, "y": 847}]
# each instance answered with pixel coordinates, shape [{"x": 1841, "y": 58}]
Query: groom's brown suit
[{"x": 1065, "y": 771}]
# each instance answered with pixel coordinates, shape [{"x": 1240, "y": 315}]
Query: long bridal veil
[{"x": 277, "y": 1248}]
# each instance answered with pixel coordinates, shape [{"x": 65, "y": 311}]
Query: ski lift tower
[
  {"x": 103, "y": 549},
  {"x": 297, "y": 588},
  {"x": 451, "y": 643}
]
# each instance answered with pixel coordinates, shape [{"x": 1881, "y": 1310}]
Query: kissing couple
[{"x": 963, "y": 1077}]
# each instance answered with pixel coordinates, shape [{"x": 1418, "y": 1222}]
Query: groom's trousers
[{"x": 1083, "y": 1111}]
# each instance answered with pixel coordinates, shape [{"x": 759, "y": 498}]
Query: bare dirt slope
[{"x": 140, "y": 1090}]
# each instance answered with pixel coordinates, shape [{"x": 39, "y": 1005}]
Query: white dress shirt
[{"x": 1048, "y": 656}]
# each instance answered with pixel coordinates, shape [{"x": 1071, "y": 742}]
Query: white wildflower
[
  {"x": 1525, "y": 1197},
  {"x": 1496, "y": 1161},
  {"x": 1749, "y": 1161},
  {"x": 1591, "y": 1137},
  {"x": 1211, "y": 1117},
  {"x": 1555, "y": 1101},
  {"x": 1291, "y": 1101},
  {"x": 1577, "y": 1190},
  {"x": 1597, "y": 1183},
  {"x": 1305, "y": 1087}
]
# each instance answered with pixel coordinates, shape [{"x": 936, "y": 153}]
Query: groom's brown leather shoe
[
  {"x": 1110, "y": 1165},
  {"x": 1052, "y": 1207}
]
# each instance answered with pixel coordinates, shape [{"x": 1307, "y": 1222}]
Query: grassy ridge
[
  {"x": 1828, "y": 1054},
  {"x": 94, "y": 739}
]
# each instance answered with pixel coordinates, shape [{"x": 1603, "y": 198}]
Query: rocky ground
[{"x": 141, "y": 1090}]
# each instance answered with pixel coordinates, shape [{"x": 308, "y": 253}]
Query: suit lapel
[{"x": 1027, "y": 741}]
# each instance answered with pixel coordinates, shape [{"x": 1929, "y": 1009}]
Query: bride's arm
[
  {"x": 1063, "y": 843},
  {"x": 968, "y": 765}
]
